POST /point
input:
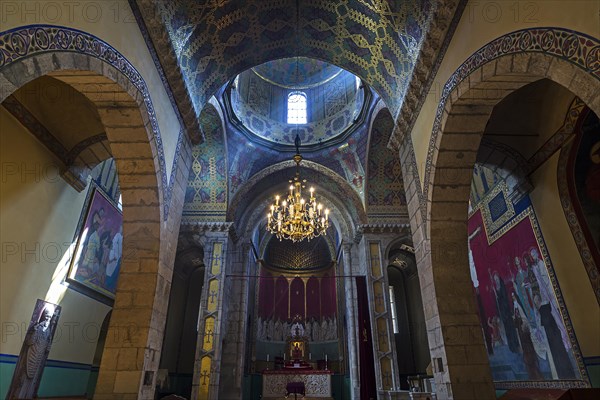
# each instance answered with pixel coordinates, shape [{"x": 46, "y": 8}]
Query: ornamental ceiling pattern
[
  {"x": 247, "y": 159},
  {"x": 386, "y": 198},
  {"x": 206, "y": 193},
  {"x": 306, "y": 255},
  {"x": 301, "y": 74},
  {"x": 377, "y": 40}
]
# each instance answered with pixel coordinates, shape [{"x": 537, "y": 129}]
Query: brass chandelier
[{"x": 295, "y": 218}]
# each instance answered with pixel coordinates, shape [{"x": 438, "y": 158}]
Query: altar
[{"x": 317, "y": 383}]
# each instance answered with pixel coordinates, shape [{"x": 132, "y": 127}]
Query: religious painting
[
  {"x": 96, "y": 259},
  {"x": 296, "y": 350},
  {"x": 34, "y": 351},
  {"x": 523, "y": 323}
]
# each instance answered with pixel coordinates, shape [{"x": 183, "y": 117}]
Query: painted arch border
[
  {"x": 574, "y": 47},
  {"x": 553, "y": 48},
  {"x": 23, "y": 42},
  {"x": 570, "y": 209}
]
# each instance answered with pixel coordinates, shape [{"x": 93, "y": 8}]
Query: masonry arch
[
  {"x": 469, "y": 99},
  {"x": 123, "y": 104}
]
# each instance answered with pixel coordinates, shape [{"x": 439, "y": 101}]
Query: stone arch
[
  {"x": 573, "y": 217},
  {"x": 330, "y": 187},
  {"x": 121, "y": 96},
  {"x": 496, "y": 70},
  {"x": 511, "y": 166}
]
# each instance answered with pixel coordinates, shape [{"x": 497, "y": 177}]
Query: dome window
[{"x": 296, "y": 108}]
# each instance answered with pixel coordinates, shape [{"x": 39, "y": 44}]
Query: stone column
[
  {"x": 235, "y": 322},
  {"x": 207, "y": 365},
  {"x": 458, "y": 355},
  {"x": 350, "y": 303},
  {"x": 134, "y": 340}
]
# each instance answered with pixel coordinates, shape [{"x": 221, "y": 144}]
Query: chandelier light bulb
[{"x": 297, "y": 219}]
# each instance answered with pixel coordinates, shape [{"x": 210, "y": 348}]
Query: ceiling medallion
[{"x": 296, "y": 219}]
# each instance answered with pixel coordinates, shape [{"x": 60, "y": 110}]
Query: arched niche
[{"x": 410, "y": 333}]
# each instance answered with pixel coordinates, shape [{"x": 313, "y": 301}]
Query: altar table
[{"x": 316, "y": 383}]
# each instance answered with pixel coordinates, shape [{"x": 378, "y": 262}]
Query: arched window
[
  {"x": 393, "y": 309},
  {"x": 296, "y": 108}
]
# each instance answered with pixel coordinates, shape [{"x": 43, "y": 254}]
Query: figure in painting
[
  {"x": 560, "y": 358},
  {"x": 114, "y": 260},
  {"x": 495, "y": 334},
  {"x": 523, "y": 288},
  {"x": 90, "y": 261},
  {"x": 503, "y": 304},
  {"x": 546, "y": 291},
  {"x": 482, "y": 316},
  {"x": 524, "y": 330},
  {"x": 296, "y": 352}
]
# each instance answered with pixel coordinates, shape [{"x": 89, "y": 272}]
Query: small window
[
  {"x": 296, "y": 108},
  {"x": 393, "y": 310}
]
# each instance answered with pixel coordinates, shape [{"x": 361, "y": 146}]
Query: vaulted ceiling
[
  {"x": 215, "y": 40},
  {"x": 391, "y": 45}
]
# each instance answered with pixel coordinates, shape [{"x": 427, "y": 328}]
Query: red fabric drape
[
  {"x": 297, "y": 298},
  {"x": 281, "y": 298},
  {"x": 365, "y": 343},
  {"x": 313, "y": 298},
  {"x": 266, "y": 294},
  {"x": 328, "y": 297}
]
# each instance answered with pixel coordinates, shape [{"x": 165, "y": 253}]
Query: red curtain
[
  {"x": 297, "y": 298},
  {"x": 313, "y": 298},
  {"x": 266, "y": 294},
  {"x": 328, "y": 297},
  {"x": 281, "y": 298}
]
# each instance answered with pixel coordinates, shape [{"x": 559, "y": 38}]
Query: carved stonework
[{"x": 317, "y": 384}]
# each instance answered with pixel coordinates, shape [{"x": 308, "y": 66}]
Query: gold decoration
[{"x": 295, "y": 218}]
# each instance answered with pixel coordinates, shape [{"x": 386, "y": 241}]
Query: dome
[
  {"x": 304, "y": 74},
  {"x": 273, "y": 102},
  {"x": 306, "y": 255}
]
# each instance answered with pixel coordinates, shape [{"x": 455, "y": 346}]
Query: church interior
[{"x": 343, "y": 199}]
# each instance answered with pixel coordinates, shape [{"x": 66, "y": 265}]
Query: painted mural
[
  {"x": 348, "y": 158},
  {"x": 386, "y": 198},
  {"x": 206, "y": 193},
  {"x": 387, "y": 37},
  {"x": 525, "y": 335},
  {"x": 524, "y": 325}
]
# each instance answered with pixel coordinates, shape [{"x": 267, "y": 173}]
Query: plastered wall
[
  {"x": 39, "y": 212},
  {"x": 113, "y": 22},
  {"x": 572, "y": 277},
  {"x": 484, "y": 21}
]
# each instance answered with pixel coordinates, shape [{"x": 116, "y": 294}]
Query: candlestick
[
  {"x": 325, "y": 357},
  {"x": 267, "y": 358}
]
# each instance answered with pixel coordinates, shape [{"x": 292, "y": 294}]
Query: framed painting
[
  {"x": 528, "y": 335},
  {"x": 96, "y": 260}
]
